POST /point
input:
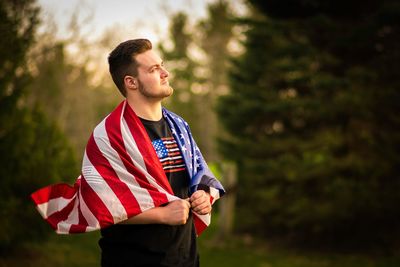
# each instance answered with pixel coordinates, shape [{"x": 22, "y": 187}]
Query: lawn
[
  {"x": 82, "y": 251},
  {"x": 79, "y": 250}
]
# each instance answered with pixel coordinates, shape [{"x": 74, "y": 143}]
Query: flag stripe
[
  {"x": 82, "y": 224},
  {"x": 49, "y": 192},
  {"x": 113, "y": 129},
  {"x": 170, "y": 162},
  {"x": 175, "y": 170},
  {"x": 174, "y": 166},
  {"x": 134, "y": 154},
  {"x": 61, "y": 215},
  {"x": 170, "y": 158},
  {"x": 105, "y": 183},
  {"x": 92, "y": 222},
  {"x": 73, "y": 218},
  {"x": 199, "y": 224},
  {"x": 146, "y": 149},
  {"x": 96, "y": 204},
  {"x": 52, "y": 206}
]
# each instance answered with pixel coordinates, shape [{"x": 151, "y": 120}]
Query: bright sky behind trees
[{"x": 148, "y": 19}]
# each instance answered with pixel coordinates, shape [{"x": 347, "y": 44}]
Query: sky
[
  {"x": 122, "y": 19},
  {"x": 148, "y": 18}
]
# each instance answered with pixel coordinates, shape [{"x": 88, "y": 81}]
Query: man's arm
[{"x": 174, "y": 213}]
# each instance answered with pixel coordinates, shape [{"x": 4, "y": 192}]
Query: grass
[
  {"x": 248, "y": 251},
  {"x": 82, "y": 251},
  {"x": 79, "y": 250},
  {"x": 238, "y": 253}
]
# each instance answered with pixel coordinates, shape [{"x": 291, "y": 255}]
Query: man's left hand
[{"x": 200, "y": 202}]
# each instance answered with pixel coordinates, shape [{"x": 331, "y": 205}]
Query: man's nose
[{"x": 164, "y": 72}]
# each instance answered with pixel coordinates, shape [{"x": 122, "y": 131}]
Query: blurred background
[{"x": 295, "y": 105}]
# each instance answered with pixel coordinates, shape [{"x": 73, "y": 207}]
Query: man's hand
[
  {"x": 176, "y": 212},
  {"x": 200, "y": 202}
]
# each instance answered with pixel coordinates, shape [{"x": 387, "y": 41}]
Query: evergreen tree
[
  {"x": 198, "y": 81},
  {"x": 313, "y": 122},
  {"x": 33, "y": 151},
  {"x": 216, "y": 34},
  {"x": 182, "y": 67},
  {"x": 62, "y": 90}
]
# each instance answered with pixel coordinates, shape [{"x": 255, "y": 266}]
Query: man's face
[{"x": 152, "y": 76}]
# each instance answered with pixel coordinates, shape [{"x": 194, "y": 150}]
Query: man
[
  {"x": 162, "y": 235},
  {"x": 144, "y": 182}
]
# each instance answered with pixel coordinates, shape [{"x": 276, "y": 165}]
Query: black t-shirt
[{"x": 155, "y": 244}]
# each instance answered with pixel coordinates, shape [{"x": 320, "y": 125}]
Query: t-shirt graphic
[{"x": 169, "y": 154}]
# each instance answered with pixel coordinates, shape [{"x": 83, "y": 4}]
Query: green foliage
[
  {"x": 18, "y": 20},
  {"x": 197, "y": 78},
  {"x": 182, "y": 66},
  {"x": 313, "y": 124},
  {"x": 62, "y": 90},
  {"x": 33, "y": 151},
  {"x": 34, "y": 154},
  {"x": 216, "y": 34}
]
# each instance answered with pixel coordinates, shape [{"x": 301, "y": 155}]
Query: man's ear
[{"x": 130, "y": 83}]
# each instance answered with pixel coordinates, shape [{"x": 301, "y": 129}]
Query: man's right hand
[{"x": 176, "y": 212}]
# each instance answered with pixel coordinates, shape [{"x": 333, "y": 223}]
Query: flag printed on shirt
[{"x": 169, "y": 154}]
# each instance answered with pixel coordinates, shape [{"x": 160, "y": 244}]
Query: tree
[
  {"x": 198, "y": 63},
  {"x": 312, "y": 122},
  {"x": 216, "y": 34},
  {"x": 70, "y": 85},
  {"x": 33, "y": 151},
  {"x": 62, "y": 90},
  {"x": 182, "y": 69}
]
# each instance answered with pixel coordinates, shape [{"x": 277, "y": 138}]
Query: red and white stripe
[
  {"x": 121, "y": 177},
  {"x": 201, "y": 222}
]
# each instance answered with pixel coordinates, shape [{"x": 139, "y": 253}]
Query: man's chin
[
  {"x": 171, "y": 91},
  {"x": 168, "y": 91}
]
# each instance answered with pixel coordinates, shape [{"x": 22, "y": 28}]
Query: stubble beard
[{"x": 160, "y": 95}]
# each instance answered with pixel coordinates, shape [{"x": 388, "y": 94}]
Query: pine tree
[
  {"x": 33, "y": 151},
  {"x": 216, "y": 34},
  {"x": 62, "y": 90},
  {"x": 182, "y": 71},
  {"x": 312, "y": 122}
]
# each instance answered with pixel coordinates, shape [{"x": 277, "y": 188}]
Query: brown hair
[{"x": 122, "y": 60}]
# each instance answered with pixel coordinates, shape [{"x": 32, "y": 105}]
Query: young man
[
  {"x": 144, "y": 182},
  {"x": 162, "y": 236}
]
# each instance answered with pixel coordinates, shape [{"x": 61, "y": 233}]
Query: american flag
[
  {"x": 122, "y": 176},
  {"x": 169, "y": 154}
]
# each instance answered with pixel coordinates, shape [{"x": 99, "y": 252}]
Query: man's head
[
  {"x": 122, "y": 60},
  {"x": 137, "y": 70}
]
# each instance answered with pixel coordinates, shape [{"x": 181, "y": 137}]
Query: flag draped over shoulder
[{"x": 122, "y": 176}]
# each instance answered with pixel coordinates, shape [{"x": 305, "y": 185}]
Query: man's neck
[{"x": 146, "y": 109}]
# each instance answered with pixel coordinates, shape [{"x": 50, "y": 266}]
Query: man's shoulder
[
  {"x": 112, "y": 119},
  {"x": 115, "y": 115},
  {"x": 174, "y": 116}
]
